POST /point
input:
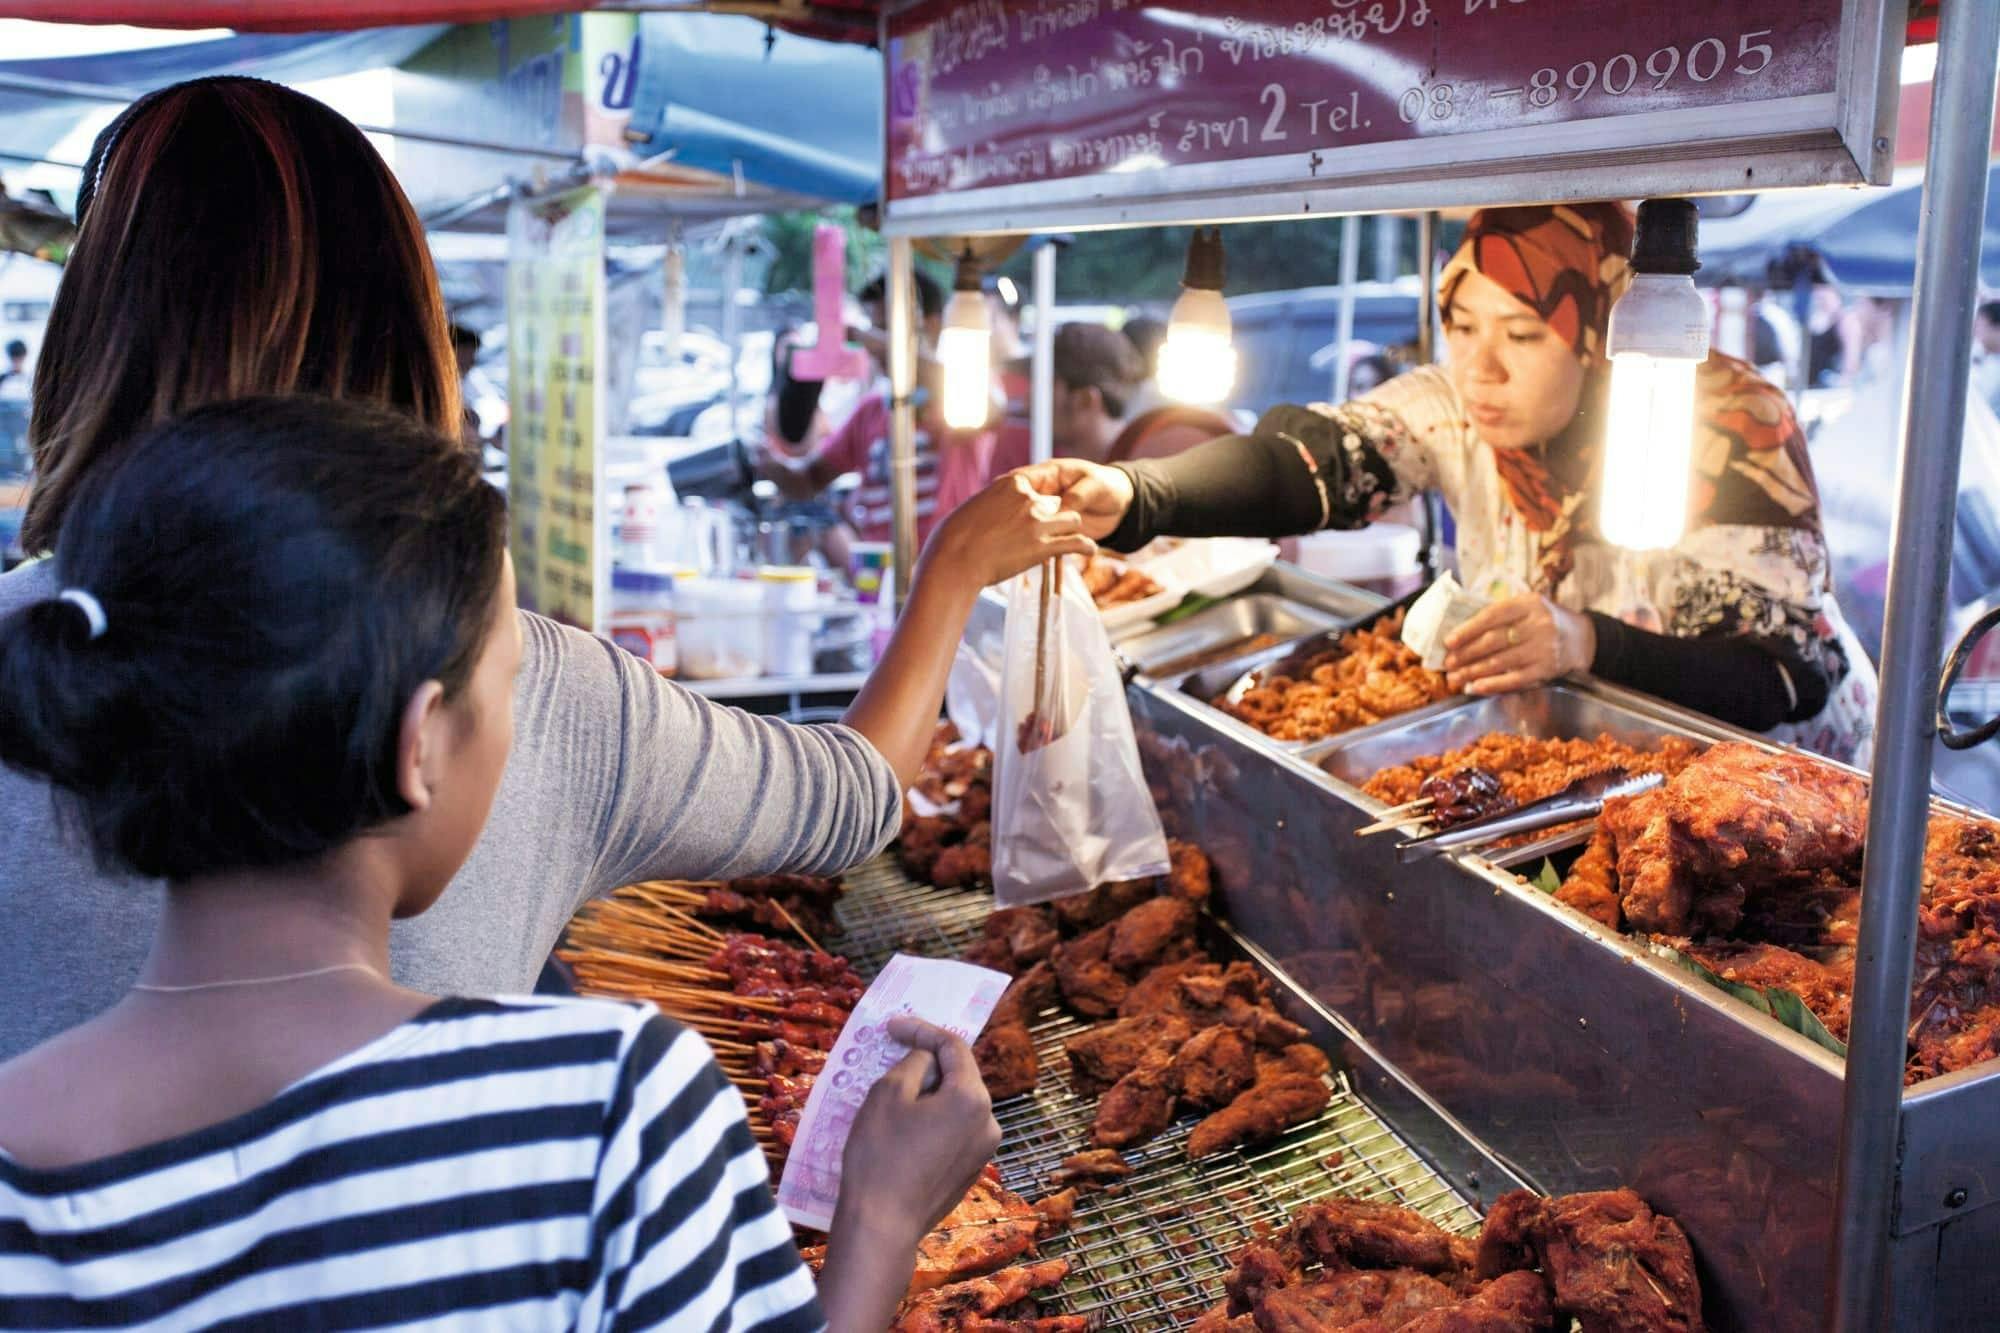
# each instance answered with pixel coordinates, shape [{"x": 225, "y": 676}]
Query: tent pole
[
  {"x": 1343, "y": 334},
  {"x": 1042, "y": 363},
  {"x": 902, "y": 298},
  {"x": 1947, "y": 281}
]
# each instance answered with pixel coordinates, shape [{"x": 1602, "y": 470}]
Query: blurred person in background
[
  {"x": 16, "y": 380},
  {"x": 1370, "y": 372},
  {"x": 1147, "y": 335},
  {"x": 465, "y": 354},
  {"x": 1986, "y": 353}
]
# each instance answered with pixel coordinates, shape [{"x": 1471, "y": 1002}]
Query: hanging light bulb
[
  {"x": 1198, "y": 361},
  {"x": 1657, "y": 340},
  {"x": 965, "y": 350}
]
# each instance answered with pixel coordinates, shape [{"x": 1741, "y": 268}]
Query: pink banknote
[{"x": 950, "y": 995}]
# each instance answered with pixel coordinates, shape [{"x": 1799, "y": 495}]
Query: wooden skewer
[
  {"x": 1391, "y": 826},
  {"x": 793, "y": 922}
]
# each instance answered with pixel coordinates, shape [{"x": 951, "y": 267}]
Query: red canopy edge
[{"x": 283, "y": 15}]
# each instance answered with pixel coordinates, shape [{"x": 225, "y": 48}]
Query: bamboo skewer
[{"x": 1391, "y": 826}]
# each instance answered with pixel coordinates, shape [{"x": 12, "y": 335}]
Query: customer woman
[
  {"x": 240, "y": 238},
  {"x": 1737, "y": 621},
  {"x": 297, "y": 719}
]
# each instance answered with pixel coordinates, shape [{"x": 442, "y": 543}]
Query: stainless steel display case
[{"x": 1562, "y": 1048}]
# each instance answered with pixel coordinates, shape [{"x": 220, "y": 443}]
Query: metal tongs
[{"x": 1580, "y": 800}]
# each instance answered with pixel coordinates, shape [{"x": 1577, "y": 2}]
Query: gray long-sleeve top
[{"x": 616, "y": 775}]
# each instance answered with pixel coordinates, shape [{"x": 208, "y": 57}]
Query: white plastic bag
[{"x": 1070, "y": 805}]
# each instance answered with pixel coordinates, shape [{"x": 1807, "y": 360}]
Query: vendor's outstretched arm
[{"x": 995, "y": 535}]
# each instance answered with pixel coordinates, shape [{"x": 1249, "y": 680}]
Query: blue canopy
[
  {"x": 37, "y": 120},
  {"x": 728, "y": 94},
  {"x": 1866, "y": 240}
]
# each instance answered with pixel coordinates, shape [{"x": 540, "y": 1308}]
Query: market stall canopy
[
  {"x": 1866, "y": 240},
  {"x": 794, "y": 115},
  {"x": 42, "y": 100}
]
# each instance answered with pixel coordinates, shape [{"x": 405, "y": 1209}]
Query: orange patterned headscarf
[{"x": 1566, "y": 262}]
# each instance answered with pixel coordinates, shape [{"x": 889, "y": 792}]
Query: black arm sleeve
[
  {"x": 1289, "y": 477},
  {"x": 1750, "y": 683}
]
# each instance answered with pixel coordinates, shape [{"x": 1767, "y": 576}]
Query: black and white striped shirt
[{"x": 491, "y": 1164}]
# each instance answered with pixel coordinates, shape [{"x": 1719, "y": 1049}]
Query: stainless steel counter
[{"x": 1564, "y": 1049}]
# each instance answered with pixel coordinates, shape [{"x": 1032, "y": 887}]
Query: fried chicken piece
[
  {"x": 1159, "y": 990},
  {"x": 1362, "y": 1233},
  {"x": 1027, "y": 996},
  {"x": 1219, "y": 1320},
  {"x": 1153, "y": 932},
  {"x": 1266, "y": 1110},
  {"x": 923, "y": 840},
  {"x": 992, "y": 953},
  {"x": 1029, "y": 933},
  {"x": 990, "y": 1228},
  {"x": 1261, "y": 1268},
  {"x": 1102, "y": 905},
  {"x": 1094, "y": 1169},
  {"x": 1616, "y": 1266},
  {"x": 1345, "y": 1300},
  {"x": 1061, "y": 1323},
  {"x": 1592, "y": 884},
  {"x": 1007, "y": 1060},
  {"x": 1137, "y": 1107},
  {"x": 1299, "y": 1058},
  {"x": 966, "y": 865},
  {"x": 1827, "y": 989},
  {"x": 1736, "y": 819},
  {"x": 1057, "y": 1211},
  {"x": 1511, "y": 1303},
  {"x": 1505, "y": 1237},
  {"x": 1100, "y": 1056},
  {"x": 1213, "y": 1067},
  {"x": 1190, "y": 876},
  {"x": 956, "y": 1307},
  {"x": 1207, "y": 989},
  {"x": 1090, "y": 985}
]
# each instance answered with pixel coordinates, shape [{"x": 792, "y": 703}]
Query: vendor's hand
[
  {"x": 919, "y": 1140},
  {"x": 1517, "y": 644},
  {"x": 1099, "y": 495},
  {"x": 1003, "y": 530}
]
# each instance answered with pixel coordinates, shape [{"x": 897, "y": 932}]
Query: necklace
[{"x": 254, "y": 981}]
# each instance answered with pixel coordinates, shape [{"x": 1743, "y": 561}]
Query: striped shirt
[{"x": 494, "y": 1164}]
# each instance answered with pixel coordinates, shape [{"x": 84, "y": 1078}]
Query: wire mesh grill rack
[{"x": 1152, "y": 1253}]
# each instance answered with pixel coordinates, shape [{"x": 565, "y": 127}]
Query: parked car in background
[{"x": 1279, "y": 335}]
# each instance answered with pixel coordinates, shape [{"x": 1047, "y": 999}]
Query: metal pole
[
  {"x": 902, "y": 296},
  {"x": 1948, "y": 239},
  {"x": 732, "y": 315},
  {"x": 1427, "y": 264},
  {"x": 1042, "y": 358},
  {"x": 1350, "y": 268}
]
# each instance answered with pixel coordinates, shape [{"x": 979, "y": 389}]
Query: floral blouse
[{"x": 1753, "y": 562}]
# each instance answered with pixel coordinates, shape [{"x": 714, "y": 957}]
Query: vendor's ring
[{"x": 1513, "y": 635}]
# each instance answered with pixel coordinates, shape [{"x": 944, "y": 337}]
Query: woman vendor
[{"x": 1737, "y": 621}]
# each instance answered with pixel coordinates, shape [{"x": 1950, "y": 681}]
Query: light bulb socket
[
  {"x": 1205, "y": 264},
  {"x": 1665, "y": 241},
  {"x": 967, "y": 277}
]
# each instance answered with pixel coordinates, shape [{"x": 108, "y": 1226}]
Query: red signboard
[{"x": 985, "y": 93}]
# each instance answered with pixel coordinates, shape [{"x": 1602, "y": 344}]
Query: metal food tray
[
  {"x": 1151, "y": 1255},
  {"x": 1219, "y": 629},
  {"x": 1211, "y": 682}
]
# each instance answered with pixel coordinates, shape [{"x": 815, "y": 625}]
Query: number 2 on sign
[{"x": 1273, "y": 96}]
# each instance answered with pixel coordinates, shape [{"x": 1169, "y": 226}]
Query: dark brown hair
[
  {"x": 236, "y": 238},
  {"x": 276, "y": 577}
]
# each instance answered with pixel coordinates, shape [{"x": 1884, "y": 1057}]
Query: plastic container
[
  {"x": 642, "y": 619},
  {"x": 719, "y": 628},
  {"x": 791, "y": 614}
]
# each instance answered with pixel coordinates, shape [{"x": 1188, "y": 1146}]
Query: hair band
[{"x": 93, "y": 610}]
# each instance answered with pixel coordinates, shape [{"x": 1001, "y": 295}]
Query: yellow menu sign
[{"x": 555, "y": 328}]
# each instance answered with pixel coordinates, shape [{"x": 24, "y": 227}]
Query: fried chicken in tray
[
  {"x": 1605, "y": 1260},
  {"x": 1502, "y": 770},
  {"x": 1749, "y": 860},
  {"x": 1368, "y": 676}
]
